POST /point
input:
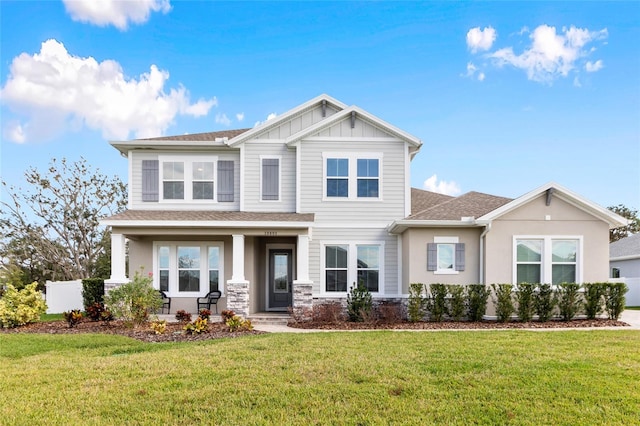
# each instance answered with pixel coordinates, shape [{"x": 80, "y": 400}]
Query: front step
[{"x": 270, "y": 318}]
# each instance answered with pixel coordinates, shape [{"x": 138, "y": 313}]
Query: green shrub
[
  {"x": 134, "y": 301},
  {"x": 359, "y": 303},
  {"x": 437, "y": 302},
  {"x": 544, "y": 302},
  {"x": 614, "y": 299},
  {"x": 416, "y": 303},
  {"x": 503, "y": 301},
  {"x": 92, "y": 291},
  {"x": 199, "y": 326},
  {"x": 72, "y": 317},
  {"x": 477, "y": 296},
  {"x": 183, "y": 316},
  {"x": 457, "y": 298},
  {"x": 237, "y": 323},
  {"x": 20, "y": 307},
  {"x": 569, "y": 300},
  {"x": 525, "y": 299},
  {"x": 593, "y": 299}
]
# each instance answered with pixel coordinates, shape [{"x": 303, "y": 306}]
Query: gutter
[{"x": 487, "y": 228}]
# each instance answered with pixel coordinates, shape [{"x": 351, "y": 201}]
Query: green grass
[
  {"x": 382, "y": 377},
  {"x": 634, "y": 308},
  {"x": 51, "y": 317}
]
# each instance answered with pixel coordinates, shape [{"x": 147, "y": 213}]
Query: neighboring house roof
[
  {"x": 472, "y": 204},
  {"x": 625, "y": 248},
  {"x": 422, "y": 200},
  {"x": 178, "y": 218},
  {"x": 218, "y": 136}
]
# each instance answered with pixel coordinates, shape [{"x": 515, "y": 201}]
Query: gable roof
[
  {"x": 422, "y": 199},
  {"x": 345, "y": 114},
  {"x": 275, "y": 122},
  {"x": 218, "y": 136},
  {"x": 472, "y": 204},
  {"x": 564, "y": 194},
  {"x": 625, "y": 248}
]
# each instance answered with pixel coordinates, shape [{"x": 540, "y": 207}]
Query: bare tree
[
  {"x": 624, "y": 231},
  {"x": 52, "y": 228}
]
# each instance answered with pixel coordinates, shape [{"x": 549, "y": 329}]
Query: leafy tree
[
  {"x": 51, "y": 230},
  {"x": 624, "y": 231}
]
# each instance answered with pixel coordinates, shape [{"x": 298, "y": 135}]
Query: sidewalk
[{"x": 631, "y": 317}]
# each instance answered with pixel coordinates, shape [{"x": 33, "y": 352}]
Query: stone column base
[
  {"x": 302, "y": 300},
  {"x": 112, "y": 283},
  {"x": 238, "y": 297}
]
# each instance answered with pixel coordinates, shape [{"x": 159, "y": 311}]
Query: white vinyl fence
[
  {"x": 633, "y": 295},
  {"x": 64, "y": 296}
]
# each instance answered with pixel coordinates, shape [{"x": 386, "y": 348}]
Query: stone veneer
[
  {"x": 238, "y": 297},
  {"x": 302, "y": 300}
]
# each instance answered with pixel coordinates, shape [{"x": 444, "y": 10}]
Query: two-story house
[{"x": 297, "y": 209}]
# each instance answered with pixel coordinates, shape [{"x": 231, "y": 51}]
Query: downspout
[{"x": 487, "y": 228}]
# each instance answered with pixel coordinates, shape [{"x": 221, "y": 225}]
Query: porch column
[
  {"x": 237, "y": 286},
  {"x": 302, "y": 286},
  {"x": 118, "y": 262}
]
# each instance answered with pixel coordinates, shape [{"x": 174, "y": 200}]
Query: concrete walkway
[{"x": 631, "y": 317}]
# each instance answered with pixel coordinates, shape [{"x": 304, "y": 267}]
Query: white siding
[
  {"x": 135, "y": 186},
  {"x": 389, "y": 207},
  {"x": 252, "y": 152},
  {"x": 297, "y": 123},
  {"x": 357, "y": 235},
  {"x": 360, "y": 129}
]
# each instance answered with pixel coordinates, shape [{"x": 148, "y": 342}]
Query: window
[
  {"x": 337, "y": 177},
  {"x": 547, "y": 259},
  {"x": 189, "y": 269},
  {"x": 368, "y": 177},
  {"x": 270, "y": 179},
  {"x": 173, "y": 180},
  {"x": 445, "y": 255},
  {"x": 202, "y": 180},
  {"x": 346, "y": 264},
  {"x": 615, "y": 273},
  {"x": 351, "y": 176}
]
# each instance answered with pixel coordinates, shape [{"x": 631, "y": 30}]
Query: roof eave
[
  {"x": 205, "y": 224},
  {"x": 399, "y": 226}
]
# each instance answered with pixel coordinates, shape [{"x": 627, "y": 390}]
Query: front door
[{"x": 280, "y": 279}]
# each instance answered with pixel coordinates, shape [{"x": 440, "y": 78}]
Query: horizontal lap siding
[
  {"x": 252, "y": 170},
  {"x": 297, "y": 123},
  {"x": 321, "y": 235},
  {"x": 390, "y": 208},
  {"x": 136, "y": 183}
]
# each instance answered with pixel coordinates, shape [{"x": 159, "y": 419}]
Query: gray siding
[
  {"x": 252, "y": 170},
  {"x": 384, "y": 210},
  {"x": 359, "y": 235},
  {"x": 135, "y": 186},
  {"x": 360, "y": 129},
  {"x": 297, "y": 123}
]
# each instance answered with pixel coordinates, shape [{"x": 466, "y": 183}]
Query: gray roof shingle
[
  {"x": 203, "y": 137},
  {"x": 628, "y": 246},
  {"x": 472, "y": 204}
]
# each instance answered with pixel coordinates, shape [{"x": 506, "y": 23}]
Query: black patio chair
[
  {"x": 166, "y": 302},
  {"x": 209, "y": 300}
]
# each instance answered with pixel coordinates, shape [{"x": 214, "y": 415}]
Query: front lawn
[{"x": 381, "y": 377}]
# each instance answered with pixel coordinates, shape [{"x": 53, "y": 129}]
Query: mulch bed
[
  {"x": 457, "y": 325},
  {"x": 174, "y": 332}
]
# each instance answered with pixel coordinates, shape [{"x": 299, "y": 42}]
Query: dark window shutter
[
  {"x": 460, "y": 257},
  {"x": 225, "y": 181},
  {"x": 150, "y": 180},
  {"x": 270, "y": 183},
  {"x": 432, "y": 256}
]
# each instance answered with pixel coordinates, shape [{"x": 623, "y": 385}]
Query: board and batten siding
[
  {"x": 390, "y": 206},
  {"x": 297, "y": 123},
  {"x": 253, "y": 152},
  {"x": 135, "y": 186},
  {"x": 354, "y": 235}
]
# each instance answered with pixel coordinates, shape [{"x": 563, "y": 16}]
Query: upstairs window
[
  {"x": 202, "y": 180},
  {"x": 337, "y": 177},
  {"x": 187, "y": 178},
  {"x": 352, "y": 176},
  {"x": 368, "y": 177},
  {"x": 173, "y": 180}
]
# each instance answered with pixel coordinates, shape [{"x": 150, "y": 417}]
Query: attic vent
[
  {"x": 353, "y": 119},
  {"x": 324, "y": 108},
  {"x": 550, "y": 192}
]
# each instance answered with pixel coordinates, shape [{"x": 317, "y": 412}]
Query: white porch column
[
  {"x": 302, "y": 286},
  {"x": 118, "y": 262},
  {"x": 238, "y": 258},
  {"x": 237, "y": 290}
]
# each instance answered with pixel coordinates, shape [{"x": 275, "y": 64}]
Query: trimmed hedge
[{"x": 92, "y": 291}]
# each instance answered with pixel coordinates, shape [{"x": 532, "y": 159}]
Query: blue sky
[{"x": 504, "y": 96}]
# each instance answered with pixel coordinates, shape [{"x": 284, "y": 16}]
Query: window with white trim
[
  {"x": 187, "y": 178},
  {"x": 173, "y": 180},
  {"x": 346, "y": 264},
  {"x": 188, "y": 269},
  {"x": 445, "y": 255},
  {"x": 351, "y": 176},
  {"x": 547, "y": 259},
  {"x": 202, "y": 180}
]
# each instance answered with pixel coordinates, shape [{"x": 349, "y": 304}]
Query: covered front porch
[{"x": 262, "y": 266}]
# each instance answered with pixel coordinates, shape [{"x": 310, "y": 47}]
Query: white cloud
[
  {"x": 593, "y": 66},
  {"x": 15, "y": 132},
  {"x": 576, "y": 82},
  {"x": 441, "y": 187},
  {"x": 223, "y": 119},
  {"x": 478, "y": 39},
  {"x": 114, "y": 12},
  {"x": 471, "y": 72},
  {"x": 269, "y": 117},
  {"x": 54, "y": 90},
  {"x": 240, "y": 116},
  {"x": 551, "y": 55}
]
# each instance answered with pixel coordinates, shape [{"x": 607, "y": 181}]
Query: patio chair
[
  {"x": 210, "y": 299},
  {"x": 166, "y": 302}
]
